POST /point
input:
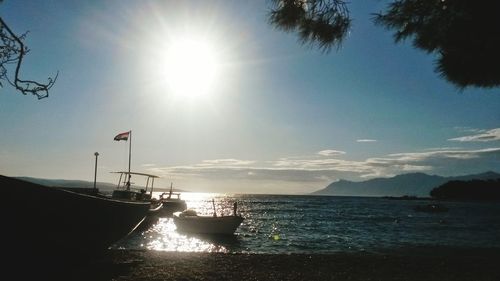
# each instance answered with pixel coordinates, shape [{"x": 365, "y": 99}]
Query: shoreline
[{"x": 124, "y": 265}]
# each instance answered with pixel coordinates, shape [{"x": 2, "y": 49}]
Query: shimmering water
[{"x": 322, "y": 224}]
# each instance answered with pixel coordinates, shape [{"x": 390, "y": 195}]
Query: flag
[{"x": 122, "y": 136}]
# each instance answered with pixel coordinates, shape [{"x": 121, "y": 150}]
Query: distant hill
[
  {"x": 468, "y": 190},
  {"x": 69, "y": 183},
  {"x": 103, "y": 186},
  {"x": 415, "y": 184}
]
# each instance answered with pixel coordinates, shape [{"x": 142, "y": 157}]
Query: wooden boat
[
  {"x": 172, "y": 202},
  {"x": 39, "y": 218},
  {"x": 189, "y": 221},
  {"x": 124, "y": 192}
]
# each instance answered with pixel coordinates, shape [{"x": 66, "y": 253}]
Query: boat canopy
[
  {"x": 134, "y": 173},
  {"x": 126, "y": 181}
]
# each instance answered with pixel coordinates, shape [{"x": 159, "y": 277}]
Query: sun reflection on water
[{"x": 164, "y": 237}]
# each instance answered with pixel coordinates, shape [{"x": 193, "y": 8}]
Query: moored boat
[
  {"x": 125, "y": 192},
  {"x": 189, "y": 221},
  {"x": 39, "y": 218},
  {"x": 172, "y": 202}
]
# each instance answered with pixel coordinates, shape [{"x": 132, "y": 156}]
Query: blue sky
[{"x": 279, "y": 117}]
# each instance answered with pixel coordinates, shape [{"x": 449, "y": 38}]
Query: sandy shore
[{"x": 153, "y": 265}]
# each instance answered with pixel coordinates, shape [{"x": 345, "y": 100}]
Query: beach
[{"x": 423, "y": 264}]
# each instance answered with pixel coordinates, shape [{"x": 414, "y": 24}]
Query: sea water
[{"x": 326, "y": 224}]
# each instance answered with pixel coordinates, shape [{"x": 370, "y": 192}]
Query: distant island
[
  {"x": 468, "y": 190},
  {"x": 411, "y": 185}
]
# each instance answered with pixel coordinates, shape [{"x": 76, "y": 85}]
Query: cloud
[
  {"x": 366, "y": 140},
  {"x": 224, "y": 162},
  {"x": 469, "y": 130},
  {"x": 313, "y": 170},
  {"x": 249, "y": 173},
  {"x": 331, "y": 152},
  {"x": 482, "y": 136},
  {"x": 443, "y": 148}
]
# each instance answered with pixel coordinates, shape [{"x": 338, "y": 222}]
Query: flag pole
[{"x": 129, "y": 152}]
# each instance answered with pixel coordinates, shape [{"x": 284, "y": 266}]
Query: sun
[{"x": 190, "y": 68}]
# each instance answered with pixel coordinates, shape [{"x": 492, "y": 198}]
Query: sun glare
[{"x": 190, "y": 68}]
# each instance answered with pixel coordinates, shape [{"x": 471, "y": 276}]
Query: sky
[{"x": 218, "y": 100}]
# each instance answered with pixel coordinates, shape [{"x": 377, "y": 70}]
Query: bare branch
[{"x": 12, "y": 51}]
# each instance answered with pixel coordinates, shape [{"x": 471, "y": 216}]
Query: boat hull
[
  {"x": 44, "y": 219},
  {"x": 171, "y": 206},
  {"x": 226, "y": 225}
]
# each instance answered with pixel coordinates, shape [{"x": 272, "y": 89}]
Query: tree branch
[{"x": 13, "y": 51}]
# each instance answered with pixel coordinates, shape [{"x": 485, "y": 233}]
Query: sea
[{"x": 287, "y": 224}]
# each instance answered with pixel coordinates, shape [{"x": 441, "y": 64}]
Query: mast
[
  {"x": 129, "y": 157},
  {"x": 129, "y": 152}
]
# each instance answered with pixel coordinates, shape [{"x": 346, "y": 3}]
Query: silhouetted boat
[
  {"x": 172, "y": 202},
  {"x": 431, "y": 208},
  {"x": 44, "y": 219},
  {"x": 124, "y": 192},
  {"x": 190, "y": 222}
]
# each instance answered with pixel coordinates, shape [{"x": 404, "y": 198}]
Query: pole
[
  {"x": 95, "y": 173},
  {"x": 213, "y": 204},
  {"x": 129, "y": 157},
  {"x": 129, "y": 151}
]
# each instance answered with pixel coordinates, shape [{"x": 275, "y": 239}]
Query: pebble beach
[{"x": 429, "y": 264}]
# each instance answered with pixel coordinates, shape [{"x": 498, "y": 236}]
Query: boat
[
  {"x": 153, "y": 216},
  {"x": 172, "y": 202},
  {"x": 431, "y": 208},
  {"x": 43, "y": 219},
  {"x": 125, "y": 192},
  {"x": 188, "y": 221}
]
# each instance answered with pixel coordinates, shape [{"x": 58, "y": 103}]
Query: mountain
[
  {"x": 103, "y": 186},
  {"x": 69, "y": 183},
  {"x": 414, "y": 184}
]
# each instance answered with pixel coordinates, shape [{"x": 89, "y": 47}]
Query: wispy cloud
[
  {"x": 366, "y": 140},
  {"x": 226, "y": 162},
  {"x": 483, "y": 136},
  {"x": 443, "y": 148},
  {"x": 331, "y": 152},
  {"x": 325, "y": 169},
  {"x": 469, "y": 130}
]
